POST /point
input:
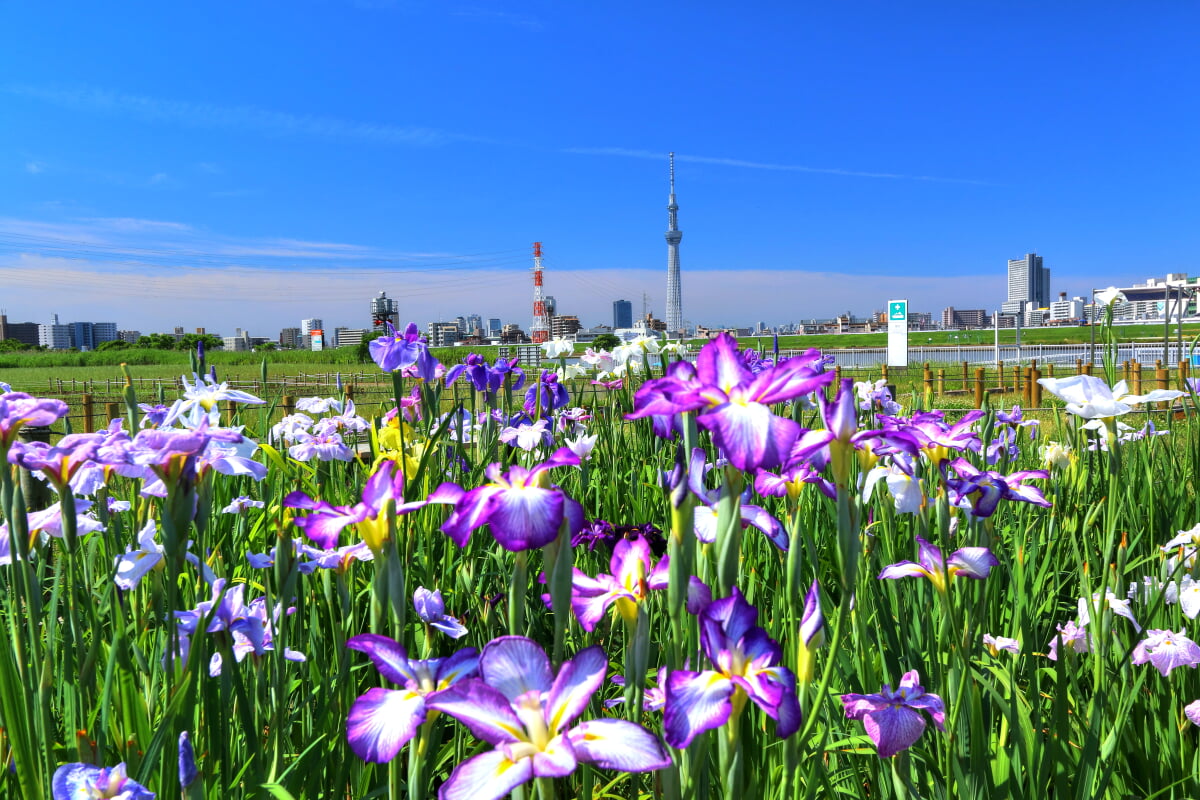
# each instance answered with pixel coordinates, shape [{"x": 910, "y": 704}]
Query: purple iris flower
[
  {"x": 791, "y": 480},
  {"x": 745, "y": 665},
  {"x": 935, "y": 437},
  {"x": 1167, "y": 650},
  {"x": 486, "y": 379},
  {"x": 653, "y": 698},
  {"x": 553, "y": 394},
  {"x": 812, "y": 632},
  {"x": 80, "y": 781},
  {"x": 396, "y": 351},
  {"x": 1016, "y": 419},
  {"x": 734, "y": 403},
  {"x": 324, "y": 526},
  {"x": 153, "y": 415},
  {"x": 523, "y": 509},
  {"x": 966, "y": 562},
  {"x": 705, "y": 513},
  {"x": 628, "y": 586},
  {"x": 384, "y": 720},
  {"x": 18, "y": 409},
  {"x": 525, "y": 710},
  {"x": 188, "y": 773},
  {"x": 981, "y": 492},
  {"x": 893, "y": 718},
  {"x": 432, "y": 611}
]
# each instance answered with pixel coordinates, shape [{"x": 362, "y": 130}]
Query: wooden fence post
[
  {"x": 941, "y": 381},
  {"x": 1000, "y": 375},
  {"x": 1035, "y": 389},
  {"x": 1137, "y": 377},
  {"x": 1079, "y": 366},
  {"x": 883, "y": 373},
  {"x": 966, "y": 376},
  {"x": 1016, "y": 378},
  {"x": 112, "y": 411},
  {"x": 927, "y": 381},
  {"x": 979, "y": 387},
  {"x": 1126, "y": 373},
  {"x": 89, "y": 421},
  {"x": 1183, "y": 375},
  {"x": 288, "y": 405}
]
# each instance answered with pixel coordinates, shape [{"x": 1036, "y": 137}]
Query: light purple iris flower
[
  {"x": 431, "y": 609},
  {"x": 528, "y": 437},
  {"x": 327, "y": 447},
  {"x": 48, "y": 522},
  {"x": 745, "y": 664},
  {"x": 523, "y": 509},
  {"x": 251, "y": 626},
  {"x": 396, "y": 351},
  {"x": 893, "y": 718},
  {"x": 240, "y": 504},
  {"x": 525, "y": 710},
  {"x": 80, "y": 781},
  {"x": 628, "y": 586},
  {"x": 966, "y": 562},
  {"x": 174, "y": 454},
  {"x": 134, "y": 564},
  {"x": 59, "y": 462},
  {"x": 384, "y": 720},
  {"x": 1076, "y": 637},
  {"x": 1167, "y": 650},
  {"x": 18, "y": 409},
  {"x": 980, "y": 492},
  {"x": 734, "y": 403},
  {"x": 324, "y": 526}
]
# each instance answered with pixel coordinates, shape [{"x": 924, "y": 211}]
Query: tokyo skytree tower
[{"x": 674, "y": 235}]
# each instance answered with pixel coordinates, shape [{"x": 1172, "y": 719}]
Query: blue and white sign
[{"x": 897, "y": 355}]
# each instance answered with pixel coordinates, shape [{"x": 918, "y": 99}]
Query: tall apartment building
[
  {"x": 494, "y": 326},
  {"x": 622, "y": 314},
  {"x": 443, "y": 334},
  {"x": 349, "y": 337},
  {"x": 1028, "y": 282},
  {"x": 289, "y": 338},
  {"x": 307, "y": 326},
  {"x": 564, "y": 326},
  {"x": 130, "y": 337},
  {"x": 23, "y": 332},
  {"x": 964, "y": 317},
  {"x": 54, "y": 335}
]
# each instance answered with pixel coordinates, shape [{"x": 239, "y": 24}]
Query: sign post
[{"x": 897, "y": 351}]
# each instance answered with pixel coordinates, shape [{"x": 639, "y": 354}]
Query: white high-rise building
[
  {"x": 384, "y": 310},
  {"x": 307, "y": 326},
  {"x": 1028, "y": 282}
]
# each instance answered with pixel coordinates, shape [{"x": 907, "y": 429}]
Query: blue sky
[{"x": 250, "y": 164}]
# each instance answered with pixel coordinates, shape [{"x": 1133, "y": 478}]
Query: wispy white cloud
[
  {"x": 526, "y": 21},
  {"x": 34, "y": 167},
  {"x": 744, "y": 164},
  {"x": 242, "y": 118}
]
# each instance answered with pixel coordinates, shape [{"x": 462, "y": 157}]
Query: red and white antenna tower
[{"x": 540, "y": 330}]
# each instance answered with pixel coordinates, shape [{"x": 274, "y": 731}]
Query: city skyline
[{"x": 420, "y": 149}]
